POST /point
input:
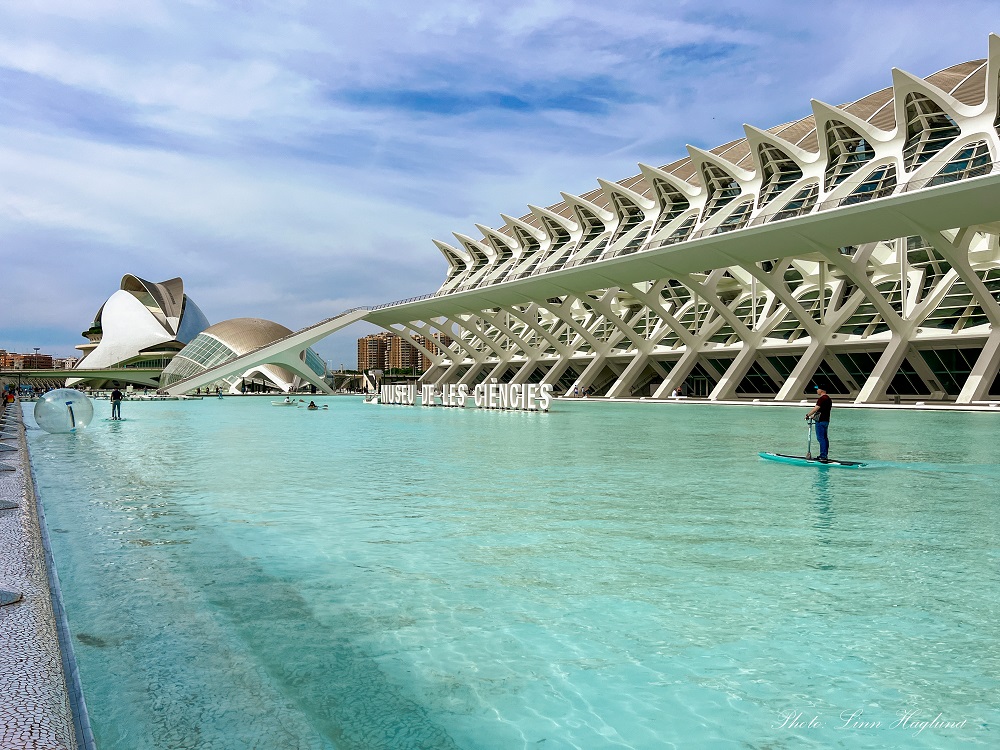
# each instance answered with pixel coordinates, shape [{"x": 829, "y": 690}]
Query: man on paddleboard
[{"x": 821, "y": 412}]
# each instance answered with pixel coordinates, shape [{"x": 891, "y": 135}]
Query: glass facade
[{"x": 928, "y": 130}]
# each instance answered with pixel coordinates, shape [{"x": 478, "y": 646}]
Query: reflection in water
[
  {"x": 822, "y": 499},
  {"x": 823, "y": 504}
]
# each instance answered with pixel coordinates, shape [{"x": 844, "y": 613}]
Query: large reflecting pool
[{"x": 605, "y": 575}]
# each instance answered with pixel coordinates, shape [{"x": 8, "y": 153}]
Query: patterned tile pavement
[{"x": 35, "y": 705}]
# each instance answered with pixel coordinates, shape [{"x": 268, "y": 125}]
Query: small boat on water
[{"x": 286, "y": 402}]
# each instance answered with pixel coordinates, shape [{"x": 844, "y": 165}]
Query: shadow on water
[{"x": 335, "y": 682}]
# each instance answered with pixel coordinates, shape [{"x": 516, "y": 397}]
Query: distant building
[
  {"x": 389, "y": 351},
  {"x": 373, "y": 352},
  {"x": 32, "y": 361},
  {"x": 403, "y": 355}
]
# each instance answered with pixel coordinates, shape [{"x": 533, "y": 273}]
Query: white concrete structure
[
  {"x": 858, "y": 245},
  {"x": 141, "y": 326},
  {"x": 229, "y": 340}
]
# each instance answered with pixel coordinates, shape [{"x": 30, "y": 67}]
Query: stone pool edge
[
  {"x": 47, "y": 689},
  {"x": 71, "y": 672}
]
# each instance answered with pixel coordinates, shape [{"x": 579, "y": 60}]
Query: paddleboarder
[
  {"x": 116, "y": 404},
  {"x": 821, "y": 413}
]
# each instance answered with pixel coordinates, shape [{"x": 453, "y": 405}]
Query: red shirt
[{"x": 825, "y": 403}]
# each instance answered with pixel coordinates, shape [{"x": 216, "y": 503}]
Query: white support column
[
  {"x": 678, "y": 374},
  {"x": 447, "y": 369},
  {"x": 532, "y": 354},
  {"x": 536, "y": 354},
  {"x": 595, "y": 318},
  {"x": 693, "y": 341},
  {"x": 564, "y": 313},
  {"x": 472, "y": 374},
  {"x": 725, "y": 389},
  {"x": 590, "y": 373},
  {"x": 432, "y": 373},
  {"x": 528, "y": 318},
  {"x": 525, "y": 370},
  {"x": 841, "y": 372},
  {"x": 924, "y": 372},
  {"x": 803, "y": 372},
  {"x": 479, "y": 358},
  {"x": 817, "y": 351},
  {"x": 622, "y": 388},
  {"x": 449, "y": 373},
  {"x": 654, "y": 302},
  {"x": 774, "y": 282},
  {"x": 635, "y": 368},
  {"x": 902, "y": 252},
  {"x": 984, "y": 372},
  {"x": 874, "y": 389},
  {"x": 556, "y": 371},
  {"x": 413, "y": 337},
  {"x": 640, "y": 355}
]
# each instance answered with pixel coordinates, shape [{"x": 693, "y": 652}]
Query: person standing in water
[
  {"x": 116, "y": 404},
  {"x": 821, "y": 413}
]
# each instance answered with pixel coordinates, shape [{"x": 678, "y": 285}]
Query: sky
[{"x": 292, "y": 159}]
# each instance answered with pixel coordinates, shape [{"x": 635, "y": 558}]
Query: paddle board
[{"x": 803, "y": 461}]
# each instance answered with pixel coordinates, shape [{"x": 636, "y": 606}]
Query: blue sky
[{"x": 293, "y": 159}]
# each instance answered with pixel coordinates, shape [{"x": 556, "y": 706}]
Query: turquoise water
[{"x": 603, "y": 576}]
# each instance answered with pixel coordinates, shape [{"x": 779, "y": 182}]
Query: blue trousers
[{"x": 821, "y": 436}]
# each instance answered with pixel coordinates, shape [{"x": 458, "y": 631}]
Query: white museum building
[{"x": 857, "y": 245}]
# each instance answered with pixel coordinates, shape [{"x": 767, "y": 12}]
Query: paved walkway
[{"x": 35, "y": 702}]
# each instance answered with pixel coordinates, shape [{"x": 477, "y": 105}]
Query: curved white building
[
  {"x": 141, "y": 327},
  {"x": 224, "y": 342},
  {"x": 858, "y": 244}
]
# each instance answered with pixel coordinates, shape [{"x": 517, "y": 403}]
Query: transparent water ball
[{"x": 64, "y": 410}]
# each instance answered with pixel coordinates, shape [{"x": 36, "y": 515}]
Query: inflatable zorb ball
[{"x": 63, "y": 410}]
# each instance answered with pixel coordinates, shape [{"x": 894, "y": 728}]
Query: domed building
[
  {"x": 225, "y": 341},
  {"x": 140, "y": 327}
]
